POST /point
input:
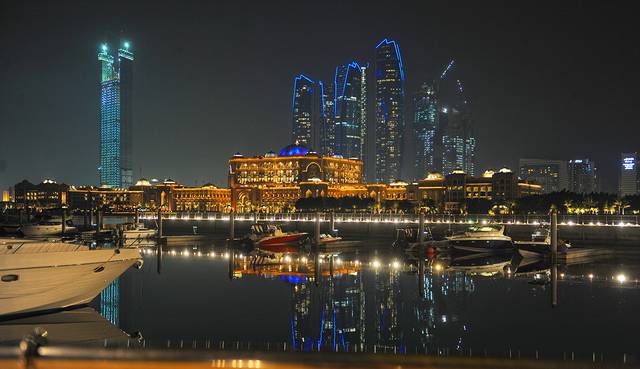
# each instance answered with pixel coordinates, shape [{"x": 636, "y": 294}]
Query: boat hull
[
  {"x": 483, "y": 246},
  {"x": 44, "y": 230},
  {"x": 288, "y": 239},
  {"x": 55, "y": 280}
]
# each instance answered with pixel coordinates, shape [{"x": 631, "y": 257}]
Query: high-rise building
[
  {"x": 583, "y": 176},
  {"x": 389, "y": 111},
  {"x": 328, "y": 131},
  {"x": 116, "y": 116},
  {"x": 425, "y": 119},
  {"x": 307, "y": 111},
  {"x": 455, "y": 142},
  {"x": 349, "y": 107},
  {"x": 628, "y": 180},
  {"x": 551, "y": 174}
]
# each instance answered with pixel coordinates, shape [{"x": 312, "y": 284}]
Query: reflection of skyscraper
[
  {"x": 425, "y": 107},
  {"x": 110, "y": 302},
  {"x": 386, "y": 297},
  {"x": 307, "y": 111},
  {"x": 116, "y": 117},
  {"x": 389, "y": 111},
  {"x": 349, "y": 107}
]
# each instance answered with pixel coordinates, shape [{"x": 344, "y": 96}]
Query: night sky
[{"x": 547, "y": 80}]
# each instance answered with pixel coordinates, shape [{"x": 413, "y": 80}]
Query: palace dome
[{"x": 293, "y": 150}]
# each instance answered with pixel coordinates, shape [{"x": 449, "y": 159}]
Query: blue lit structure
[
  {"x": 294, "y": 150},
  {"x": 307, "y": 111},
  {"x": 110, "y": 302},
  {"x": 389, "y": 111},
  {"x": 350, "y": 110},
  {"x": 425, "y": 119},
  {"x": 115, "y": 128}
]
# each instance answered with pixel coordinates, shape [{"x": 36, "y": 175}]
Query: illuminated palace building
[
  {"x": 274, "y": 182},
  {"x": 115, "y": 127}
]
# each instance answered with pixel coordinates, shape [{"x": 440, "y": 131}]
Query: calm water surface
[{"x": 379, "y": 298}]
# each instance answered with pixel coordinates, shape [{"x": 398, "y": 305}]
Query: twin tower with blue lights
[
  {"x": 331, "y": 118},
  {"x": 116, "y": 115}
]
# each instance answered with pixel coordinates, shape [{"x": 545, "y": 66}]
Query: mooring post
[
  {"x": 160, "y": 222},
  {"x": 554, "y": 258},
  {"x": 554, "y": 235},
  {"x": 333, "y": 221},
  {"x": 232, "y": 226},
  {"x": 421, "y": 229},
  {"x": 317, "y": 230},
  {"x": 64, "y": 220}
]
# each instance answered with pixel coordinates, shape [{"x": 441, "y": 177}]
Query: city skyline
[{"x": 184, "y": 119}]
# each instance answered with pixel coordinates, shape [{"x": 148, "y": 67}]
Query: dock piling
[
  {"x": 421, "y": 229},
  {"x": 317, "y": 230}
]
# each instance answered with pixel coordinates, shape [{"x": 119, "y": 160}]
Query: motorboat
[
  {"x": 408, "y": 238},
  {"x": 481, "y": 239},
  {"x": 328, "y": 238},
  {"x": 39, "y": 276},
  {"x": 138, "y": 232},
  {"x": 540, "y": 244},
  {"x": 268, "y": 237},
  {"x": 47, "y": 227}
]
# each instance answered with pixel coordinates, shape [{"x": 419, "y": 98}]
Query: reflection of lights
[
  {"x": 621, "y": 278},
  {"x": 376, "y": 264},
  {"x": 395, "y": 264},
  {"x": 226, "y": 255}
]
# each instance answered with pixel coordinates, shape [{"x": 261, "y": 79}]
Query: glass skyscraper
[
  {"x": 350, "y": 104},
  {"x": 425, "y": 121},
  {"x": 307, "y": 112},
  {"x": 389, "y": 111},
  {"x": 116, "y": 119}
]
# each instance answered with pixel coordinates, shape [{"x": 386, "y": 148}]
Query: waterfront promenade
[{"x": 588, "y": 229}]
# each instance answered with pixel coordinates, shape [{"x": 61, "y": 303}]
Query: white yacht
[
  {"x": 481, "y": 239},
  {"x": 40, "y": 276},
  {"x": 138, "y": 231},
  {"x": 47, "y": 227}
]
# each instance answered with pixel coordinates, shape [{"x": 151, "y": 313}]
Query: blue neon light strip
[{"x": 398, "y": 55}]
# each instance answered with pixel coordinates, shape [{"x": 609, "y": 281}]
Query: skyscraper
[
  {"x": 389, "y": 110},
  {"x": 425, "y": 116},
  {"x": 328, "y": 132},
  {"x": 583, "y": 177},
  {"x": 307, "y": 112},
  {"x": 455, "y": 143},
  {"x": 551, "y": 174},
  {"x": 116, "y": 116},
  {"x": 628, "y": 180},
  {"x": 349, "y": 106}
]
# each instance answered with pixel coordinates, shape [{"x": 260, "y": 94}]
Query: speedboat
[
  {"x": 40, "y": 276},
  {"x": 47, "y": 227},
  {"x": 138, "y": 232},
  {"x": 481, "y": 239},
  {"x": 268, "y": 237}
]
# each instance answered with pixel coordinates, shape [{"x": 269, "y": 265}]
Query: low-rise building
[
  {"x": 117, "y": 200},
  {"x": 46, "y": 195}
]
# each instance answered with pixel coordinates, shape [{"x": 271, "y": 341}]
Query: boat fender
[
  {"x": 431, "y": 250},
  {"x": 117, "y": 251},
  {"x": 138, "y": 264}
]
